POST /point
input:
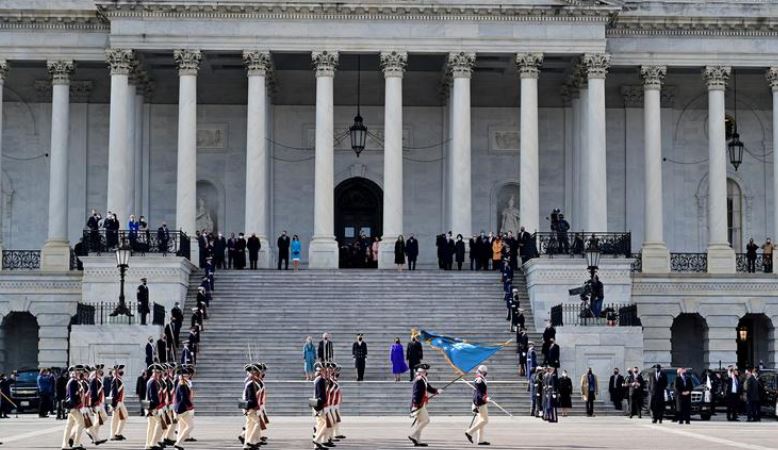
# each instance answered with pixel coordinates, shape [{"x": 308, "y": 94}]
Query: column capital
[
  {"x": 597, "y": 65},
  {"x": 772, "y": 77},
  {"x": 716, "y": 77},
  {"x": 137, "y": 76},
  {"x": 60, "y": 71},
  {"x": 188, "y": 61},
  {"x": 324, "y": 63},
  {"x": 258, "y": 62},
  {"x": 578, "y": 77},
  {"x": 3, "y": 69},
  {"x": 632, "y": 95},
  {"x": 529, "y": 64},
  {"x": 461, "y": 64},
  {"x": 120, "y": 60},
  {"x": 393, "y": 63},
  {"x": 653, "y": 76}
]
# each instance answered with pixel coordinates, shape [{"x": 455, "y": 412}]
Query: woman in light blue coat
[{"x": 309, "y": 356}]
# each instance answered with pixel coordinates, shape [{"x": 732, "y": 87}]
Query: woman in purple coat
[{"x": 397, "y": 357}]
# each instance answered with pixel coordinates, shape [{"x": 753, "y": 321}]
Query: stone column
[
  {"x": 188, "y": 62},
  {"x": 772, "y": 78},
  {"x": 132, "y": 89},
  {"x": 3, "y": 73},
  {"x": 258, "y": 65},
  {"x": 528, "y": 65},
  {"x": 137, "y": 144},
  {"x": 656, "y": 258},
  {"x": 55, "y": 255},
  {"x": 393, "y": 66},
  {"x": 596, "y": 190},
  {"x": 323, "y": 249},
  {"x": 121, "y": 62},
  {"x": 721, "y": 257},
  {"x": 461, "y": 67},
  {"x": 574, "y": 215},
  {"x": 583, "y": 146}
]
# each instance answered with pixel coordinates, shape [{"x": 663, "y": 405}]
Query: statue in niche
[
  {"x": 204, "y": 220},
  {"x": 510, "y": 217}
]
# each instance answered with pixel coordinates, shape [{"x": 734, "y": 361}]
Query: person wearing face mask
[
  {"x": 283, "y": 250},
  {"x": 459, "y": 251},
  {"x": 326, "y": 351},
  {"x": 767, "y": 255},
  {"x": 565, "y": 386},
  {"x": 615, "y": 389},
  {"x": 480, "y": 408},
  {"x": 359, "y": 352}
]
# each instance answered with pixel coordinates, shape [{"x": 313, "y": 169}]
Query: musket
[{"x": 491, "y": 401}]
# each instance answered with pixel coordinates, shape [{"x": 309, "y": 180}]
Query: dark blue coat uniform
[
  {"x": 73, "y": 399},
  {"x": 480, "y": 394},
  {"x": 152, "y": 394},
  {"x": 250, "y": 394},
  {"x": 183, "y": 401},
  {"x": 420, "y": 390},
  {"x": 320, "y": 393}
]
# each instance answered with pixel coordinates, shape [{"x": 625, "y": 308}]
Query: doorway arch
[
  {"x": 754, "y": 336},
  {"x": 358, "y": 210},
  {"x": 689, "y": 341},
  {"x": 19, "y": 341}
]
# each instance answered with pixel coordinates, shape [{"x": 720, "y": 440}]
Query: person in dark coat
[
  {"x": 231, "y": 250},
  {"x": 219, "y": 246},
  {"x": 683, "y": 392},
  {"x": 459, "y": 251},
  {"x": 61, "y": 394},
  {"x": 162, "y": 349},
  {"x": 150, "y": 352},
  {"x": 359, "y": 352},
  {"x": 472, "y": 245},
  {"x": 440, "y": 244},
  {"x": 658, "y": 385},
  {"x": 733, "y": 390},
  {"x": 522, "y": 345},
  {"x": 253, "y": 245},
  {"x": 549, "y": 334},
  {"x": 485, "y": 251},
  {"x": 178, "y": 322},
  {"x": 140, "y": 389},
  {"x": 412, "y": 251},
  {"x": 143, "y": 300},
  {"x": 553, "y": 354},
  {"x": 283, "y": 250},
  {"x": 450, "y": 250},
  {"x": 326, "y": 350},
  {"x": 414, "y": 353},
  {"x": 616, "y": 389},
  {"x": 753, "y": 399},
  {"x": 565, "y": 387},
  {"x": 240, "y": 252},
  {"x": 636, "y": 387},
  {"x": 399, "y": 252}
]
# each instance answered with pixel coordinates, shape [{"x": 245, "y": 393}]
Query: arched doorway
[
  {"x": 19, "y": 343},
  {"x": 358, "y": 219},
  {"x": 754, "y": 336},
  {"x": 689, "y": 341}
]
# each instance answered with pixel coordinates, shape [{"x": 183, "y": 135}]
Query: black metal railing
[
  {"x": 742, "y": 263},
  {"x": 637, "y": 264},
  {"x": 146, "y": 241},
  {"x": 574, "y": 244},
  {"x": 628, "y": 316},
  {"x": 99, "y": 313},
  {"x": 580, "y": 314},
  {"x": 21, "y": 259},
  {"x": 688, "y": 262}
]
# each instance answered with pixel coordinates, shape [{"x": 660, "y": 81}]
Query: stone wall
[{"x": 113, "y": 344}]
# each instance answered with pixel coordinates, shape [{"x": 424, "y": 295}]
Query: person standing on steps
[
  {"x": 240, "y": 252},
  {"x": 359, "y": 352},
  {"x": 480, "y": 407},
  {"x": 231, "y": 243},
  {"x": 309, "y": 357},
  {"x": 414, "y": 353},
  {"x": 398, "y": 360},
  {"x": 253, "y": 245},
  {"x": 419, "y": 399},
  {"x": 459, "y": 251},
  {"x": 399, "y": 252},
  {"x": 412, "y": 251},
  {"x": 326, "y": 351},
  {"x": 297, "y": 250},
  {"x": 283, "y": 250},
  {"x": 143, "y": 300}
]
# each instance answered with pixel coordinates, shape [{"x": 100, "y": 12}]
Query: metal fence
[
  {"x": 21, "y": 259},
  {"x": 106, "y": 241},
  {"x": 574, "y": 244},
  {"x": 580, "y": 315},
  {"x": 741, "y": 261},
  {"x": 99, "y": 313}
]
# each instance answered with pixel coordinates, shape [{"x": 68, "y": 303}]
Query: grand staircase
[{"x": 268, "y": 314}]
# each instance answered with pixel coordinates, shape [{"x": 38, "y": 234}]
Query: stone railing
[
  {"x": 580, "y": 315},
  {"x": 574, "y": 244},
  {"x": 145, "y": 241},
  {"x": 100, "y": 313}
]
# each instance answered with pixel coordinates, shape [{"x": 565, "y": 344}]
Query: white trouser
[
  {"x": 481, "y": 419},
  {"x": 185, "y": 426},
  {"x": 253, "y": 430},
  {"x": 99, "y": 415},
  {"x": 117, "y": 424},
  {"x": 74, "y": 426},
  {"x": 420, "y": 421},
  {"x": 321, "y": 428},
  {"x": 153, "y": 430},
  {"x": 169, "y": 433}
]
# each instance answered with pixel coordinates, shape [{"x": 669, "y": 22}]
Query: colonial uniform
[
  {"x": 97, "y": 402},
  {"x": 251, "y": 397},
  {"x": 155, "y": 408},
  {"x": 480, "y": 408},
  {"x": 74, "y": 402},
  {"x": 120, "y": 415},
  {"x": 419, "y": 400},
  {"x": 263, "y": 419},
  {"x": 336, "y": 401},
  {"x": 319, "y": 406},
  {"x": 170, "y": 392},
  {"x": 184, "y": 406},
  {"x": 86, "y": 400}
]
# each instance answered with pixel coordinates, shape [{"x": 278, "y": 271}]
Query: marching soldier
[
  {"x": 251, "y": 407},
  {"x": 329, "y": 410},
  {"x": 262, "y": 412},
  {"x": 336, "y": 400},
  {"x": 97, "y": 400},
  {"x": 419, "y": 400},
  {"x": 155, "y": 408},
  {"x": 74, "y": 402},
  {"x": 86, "y": 401},
  {"x": 184, "y": 407},
  {"x": 169, "y": 388},
  {"x": 119, "y": 418},
  {"x": 319, "y": 404},
  {"x": 480, "y": 408}
]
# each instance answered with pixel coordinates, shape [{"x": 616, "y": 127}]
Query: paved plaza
[{"x": 379, "y": 433}]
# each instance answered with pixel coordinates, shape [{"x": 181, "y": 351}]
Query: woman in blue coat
[
  {"x": 296, "y": 249},
  {"x": 397, "y": 356},
  {"x": 309, "y": 356}
]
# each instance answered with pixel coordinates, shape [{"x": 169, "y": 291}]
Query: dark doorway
[
  {"x": 19, "y": 343},
  {"x": 689, "y": 341},
  {"x": 754, "y": 335},
  {"x": 358, "y": 220}
]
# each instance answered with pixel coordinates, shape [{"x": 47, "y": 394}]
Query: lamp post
[
  {"x": 122, "y": 262},
  {"x": 592, "y": 254}
]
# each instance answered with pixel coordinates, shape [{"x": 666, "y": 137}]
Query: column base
[
  {"x": 55, "y": 256},
  {"x": 386, "y": 252},
  {"x": 265, "y": 255},
  {"x": 721, "y": 259},
  {"x": 323, "y": 253},
  {"x": 655, "y": 258}
]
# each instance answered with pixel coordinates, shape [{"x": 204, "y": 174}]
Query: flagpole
[
  {"x": 492, "y": 401},
  {"x": 442, "y": 389}
]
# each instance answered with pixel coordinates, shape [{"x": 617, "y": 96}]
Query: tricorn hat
[{"x": 422, "y": 366}]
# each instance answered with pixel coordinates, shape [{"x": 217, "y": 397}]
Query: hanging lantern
[
  {"x": 735, "y": 150},
  {"x": 358, "y": 133}
]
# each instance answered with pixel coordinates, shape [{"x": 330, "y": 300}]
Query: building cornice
[
  {"x": 34, "y": 20},
  {"x": 634, "y": 26},
  {"x": 383, "y": 11}
]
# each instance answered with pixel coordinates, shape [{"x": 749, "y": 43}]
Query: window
[{"x": 734, "y": 215}]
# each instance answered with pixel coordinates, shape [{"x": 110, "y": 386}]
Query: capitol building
[{"x": 650, "y": 120}]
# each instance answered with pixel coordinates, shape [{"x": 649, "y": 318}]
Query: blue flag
[{"x": 463, "y": 356}]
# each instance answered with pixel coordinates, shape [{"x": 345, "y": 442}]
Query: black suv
[
  {"x": 699, "y": 405},
  {"x": 768, "y": 382}
]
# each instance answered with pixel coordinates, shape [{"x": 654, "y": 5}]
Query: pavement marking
[
  {"x": 31, "y": 434},
  {"x": 703, "y": 437}
]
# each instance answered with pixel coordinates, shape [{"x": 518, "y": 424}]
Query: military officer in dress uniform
[
  {"x": 480, "y": 407},
  {"x": 120, "y": 415},
  {"x": 155, "y": 408},
  {"x": 97, "y": 402},
  {"x": 419, "y": 400},
  {"x": 251, "y": 407},
  {"x": 319, "y": 405},
  {"x": 183, "y": 405},
  {"x": 74, "y": 402},
  {"x": 336, "y": 401}
]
